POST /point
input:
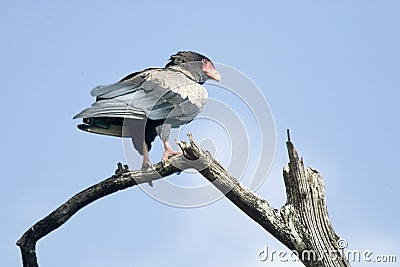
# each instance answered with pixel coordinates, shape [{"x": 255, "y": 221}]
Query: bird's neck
[{"x": 184, "y": 71}]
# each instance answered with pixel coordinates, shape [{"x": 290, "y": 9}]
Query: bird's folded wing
[
  {"x": 119, "y": 88},
  {"x": 111, "y": 108},
  {"x": 155, "y": 94}
]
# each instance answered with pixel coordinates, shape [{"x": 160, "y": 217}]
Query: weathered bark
[
  {"x": 122, "y": 179},
  {"x": 302, "y": 224},
  {"x": 305, "y": 210}
]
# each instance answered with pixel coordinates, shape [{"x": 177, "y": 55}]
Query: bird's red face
[{"x": 209, "y": 69}]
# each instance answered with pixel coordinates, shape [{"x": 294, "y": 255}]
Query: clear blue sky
[{"x": 329, "y": 69}]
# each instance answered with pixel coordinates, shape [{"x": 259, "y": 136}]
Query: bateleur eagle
[{"x": 148, "y": 103}]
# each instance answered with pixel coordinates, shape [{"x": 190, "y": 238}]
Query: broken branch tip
[{"x": 288, "y": 135}]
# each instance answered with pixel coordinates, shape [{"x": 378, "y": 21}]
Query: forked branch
[{"x": 302, "y": 224}]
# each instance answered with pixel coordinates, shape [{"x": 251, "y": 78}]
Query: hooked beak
[{"x": 211, "y": 72}]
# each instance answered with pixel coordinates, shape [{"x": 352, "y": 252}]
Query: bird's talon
[{"x": 147, "y": 166}]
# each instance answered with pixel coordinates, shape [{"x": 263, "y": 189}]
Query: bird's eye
[{"x": 205, "y": 61}]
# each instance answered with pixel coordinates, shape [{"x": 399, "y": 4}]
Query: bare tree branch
[
  {"x": 122, "y": 179},
  {"x": 302, "y": 224},
  {"x": 306, "y": 212}
]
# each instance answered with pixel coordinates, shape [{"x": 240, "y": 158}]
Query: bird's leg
[
  {"x": 146, "y": 164},
  {"x": 163, "y": 131},
  {"x": 169, "y": 151}
]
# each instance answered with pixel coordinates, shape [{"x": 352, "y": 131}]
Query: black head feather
[
  {"x": 184, "y": 57},
  {"x": 190, "y": 61}
]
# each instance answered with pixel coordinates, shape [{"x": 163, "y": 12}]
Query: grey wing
[
  {"x": 176, "y": 98},
  {"x": 155, "y": 94},
  {"x": 174, "y": 109},
  {"x": 124, "y": 99},
  {"x": 111, "y": 108}
]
